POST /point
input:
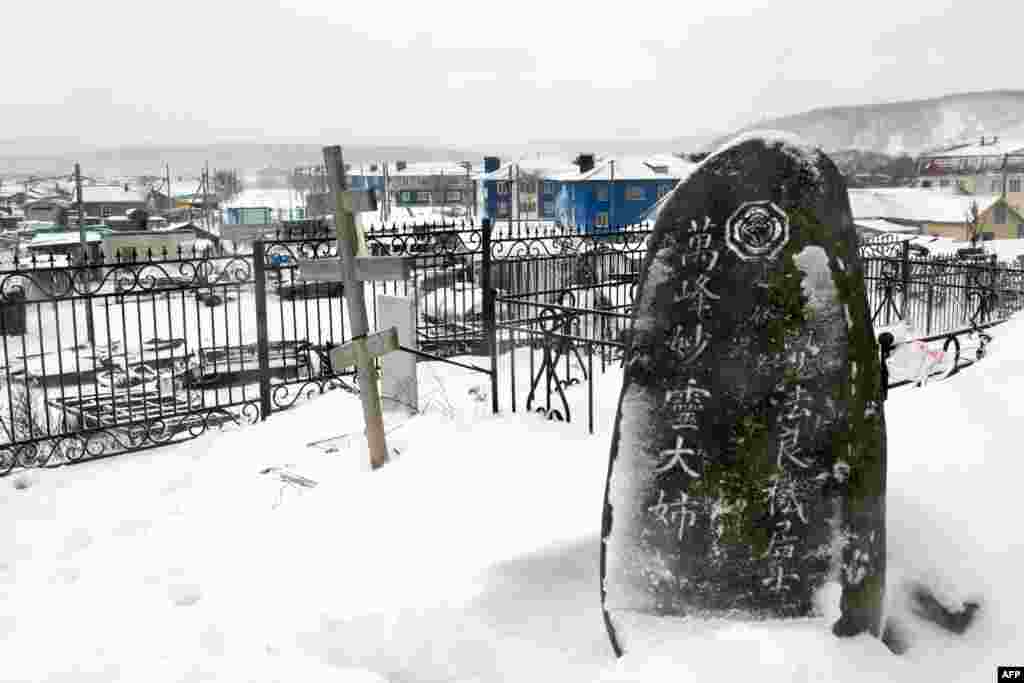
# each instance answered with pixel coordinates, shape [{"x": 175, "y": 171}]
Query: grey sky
[{"x": 459, "y": 73}]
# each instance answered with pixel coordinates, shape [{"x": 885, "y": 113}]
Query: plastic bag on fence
[{"x": 911, "y": 359}]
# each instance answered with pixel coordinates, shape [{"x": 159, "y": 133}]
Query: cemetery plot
[{"x": 137, "y": 417}]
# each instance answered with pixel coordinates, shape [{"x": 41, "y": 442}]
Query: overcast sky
[{"x": 111, "y": 72}]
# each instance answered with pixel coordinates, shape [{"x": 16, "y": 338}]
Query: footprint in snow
[{"x": 183, "y": 594}]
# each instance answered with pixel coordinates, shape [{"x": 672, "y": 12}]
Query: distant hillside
[
  {"x": 188, "y": 161},
  {"x": 909, "y": 127},
  {"x": 628, "y": 146}
]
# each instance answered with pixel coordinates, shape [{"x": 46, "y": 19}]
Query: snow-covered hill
[
  {"x": 908, "y": 127},
  {"x": 473, "y": 556}
]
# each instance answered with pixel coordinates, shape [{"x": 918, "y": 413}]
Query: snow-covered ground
[{"x": 473, "y": 556}]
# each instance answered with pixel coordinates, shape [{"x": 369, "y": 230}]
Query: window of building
[
  {"x": 453, "y": 196},
  {"x": 504, "y": 208},
  {"x": 999, "y": 214},
  {"x": 1014, "y": 184},
  {"x": 926, "y": 183},
  {"x": 405, "y": 196},
  {"x": 528, "y": 206},
  {"x": 997, "y": 186},
  {"x": 635, "y": 193},
  {"x": 602, "y": 220},
  {"x": 549, "y": 208},
  {"x": 663, "y": 190},
  {"x": 423, "y": 197},
  {"x": 108, "y": 211},
  {"x": 986, "y": 236},
  {"x": 549, "y": 187},
  {"x": 504, "y": 187},
  {"x": 944, "y": 182},
  {"x": 602, "y": 193}
]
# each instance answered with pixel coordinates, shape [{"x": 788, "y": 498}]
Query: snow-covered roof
[
  {"x": 882, "y": 225},
  {"x": 60, "y": 239},
  {"x": 272, "y": 198},
  {"x": 998, "y": 148},
  {"x": 59, "y": 201},
  {"x": 916, "y": 204},
  {"x": 101, "y": 194},
  {"x": 426, "y": 168},
  {"x": 634, "y": 168},
  {"x": 1005, "y": 250},
  {"x": 548, "y": 169}
]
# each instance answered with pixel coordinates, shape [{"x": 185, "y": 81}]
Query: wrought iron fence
[
  {"x": 569, "y": 297},
  {"x": 938, "y": 294},
  {"x": 144, "y": 351},
  {"x": 115, "y": 356},
  {"x": 564, "y": 305},
  {"x": 140, "y": 352}
]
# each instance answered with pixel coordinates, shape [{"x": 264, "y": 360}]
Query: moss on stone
[{"x": 738, "y": 482}]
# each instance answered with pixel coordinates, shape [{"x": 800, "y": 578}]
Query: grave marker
[
  {"x": 748, "y": 458},
  {"x": 363, "y": 348},
  {"x": 399, "y": 384}
]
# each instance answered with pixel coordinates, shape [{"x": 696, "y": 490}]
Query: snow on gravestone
[
  {"x": 399, "y": 387},
  {"x": 747, "y": 464}
]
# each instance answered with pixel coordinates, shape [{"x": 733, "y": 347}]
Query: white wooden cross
[{"x": 353, "y": 269}]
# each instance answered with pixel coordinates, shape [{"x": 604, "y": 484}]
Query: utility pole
[
  {"x": 207, "y": 195},
  {"x": 84, "y": 242},
  {"x": 170, "y": 195},
  {"x": 386, "y": 204},
  {"x": 349, "y": 240},
  {"x": 611, "y": 196},
  {"x": 511, "y": 198}
]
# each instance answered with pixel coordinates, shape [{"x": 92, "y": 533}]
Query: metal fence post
[
  {"x": 262, "y": 340},
  {"x": 931, "y": 306},
  {"x": 905, "y": 277},
  {"x": 490, "y": 316}
]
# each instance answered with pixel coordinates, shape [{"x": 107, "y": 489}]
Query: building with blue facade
[
  {"x": 365, "y": 178},
  {"x": 616, "y": 192},
  {"x": 521, "y": 190}
]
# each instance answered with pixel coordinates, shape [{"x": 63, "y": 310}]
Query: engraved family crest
[{"x": 757, "y": 231}]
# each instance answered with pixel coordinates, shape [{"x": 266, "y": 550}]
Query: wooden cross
[{"x": 353, "y": 269}]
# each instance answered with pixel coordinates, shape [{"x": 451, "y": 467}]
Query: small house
[
  {"x": 163, "y": 242},
  {"x": 68, "y": 243},
  {"x": 48, "y": 209},
  {"x": 443, "y": 184},
  {"x": 103, "y": 201},
  {"x": 616, "y": 192},
  {"x": 938, "y": 213}
]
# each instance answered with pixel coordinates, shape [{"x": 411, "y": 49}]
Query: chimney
[
  {"x": 491, "y": 164},
  {"x": 585, "y": 162},
  {"x": 400, "y": 165}
]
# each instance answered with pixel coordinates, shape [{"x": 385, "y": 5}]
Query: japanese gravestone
[{"x": 747, "y": 465}]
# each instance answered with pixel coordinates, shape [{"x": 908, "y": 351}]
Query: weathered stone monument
[{"x": 747, "y": 465}]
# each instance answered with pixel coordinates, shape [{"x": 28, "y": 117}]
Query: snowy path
[{"x": 472, "y": 557}]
